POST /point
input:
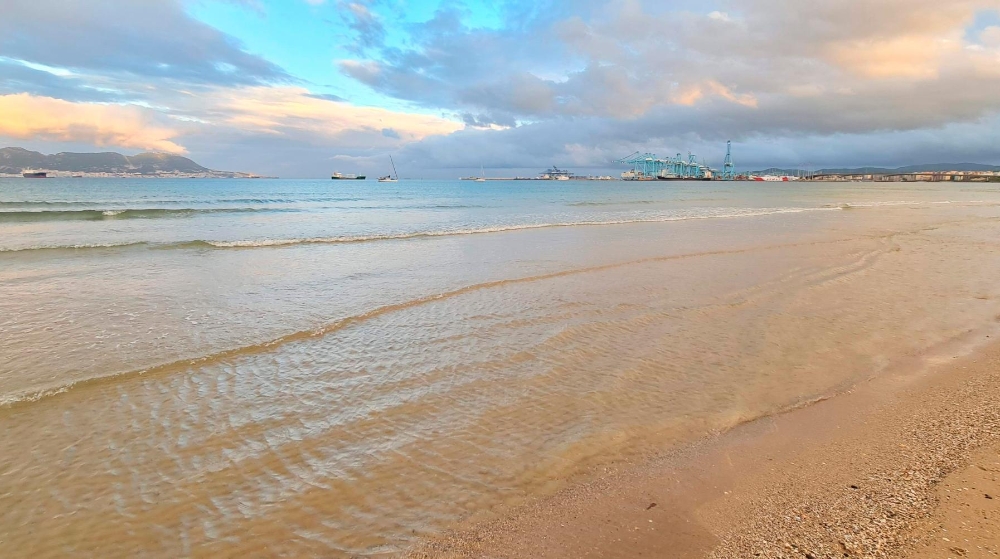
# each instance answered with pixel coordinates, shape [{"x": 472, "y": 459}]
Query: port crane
[
  {"x": 728, "y": 169},
  {"x": 647, "y": 167}
]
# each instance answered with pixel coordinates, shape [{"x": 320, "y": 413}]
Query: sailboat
[
  {"x": 389, "y": 178},
  {"x": 482, "y": 172}
]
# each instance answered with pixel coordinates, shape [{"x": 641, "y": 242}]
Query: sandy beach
[
  {"x": 451, "y": 279},
  {"x": 451, "y": 372},
  {"x": 907, "y": 465}
]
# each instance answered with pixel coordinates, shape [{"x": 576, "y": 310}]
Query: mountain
[
  {"x": 14, "y": 160},
  {"x": 925, "y": 168}
]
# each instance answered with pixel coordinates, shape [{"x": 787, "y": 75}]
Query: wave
[
  {"x": 611, "y": 203},
  {"x": 350, "y": 239},
  {"x": 27, "y": 397},
  {"x": 846, "y": 205},
  {"x": 119, "y": 213},
  {"x": 388, "y": 206},
  {"x": 36, "y": 395},
  {"x": 82, "y": 246},
  {"x": 258, "y": 243},
  {"x": 50, "y": 204},
  {"x": 447, "y": 206},
  {"x": 204, "y": 201}
]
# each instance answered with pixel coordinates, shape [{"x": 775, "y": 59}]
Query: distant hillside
[
  {"x": 926, "y": 168},
  {"x": 14, "y": 160}
]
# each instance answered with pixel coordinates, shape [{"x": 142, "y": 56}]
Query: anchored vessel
[
  {"x": 390, "y": 178},
  {"x": 349, "y": 177},
  {"x": 29, "y": 174}
]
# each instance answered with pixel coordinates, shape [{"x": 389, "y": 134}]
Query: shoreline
[
  {"x": 881, "y": 470},
  {"x": 517, "y": 367}
]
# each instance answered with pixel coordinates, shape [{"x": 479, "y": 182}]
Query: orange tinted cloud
[
  {"x": 276, "y": 110},
  {"x": 29, "y": 117},
  {"x": 914, "y": 56},
  {"x": 690, "y": 95}
]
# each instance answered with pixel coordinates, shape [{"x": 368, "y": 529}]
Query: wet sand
[
  {"x": 353, "y": 399},
  {"x": 905, "y": 465}
]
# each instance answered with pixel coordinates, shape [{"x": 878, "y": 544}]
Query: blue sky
[
  {"x": 306, "y": 87},
  {"x": 307, "y": 38}
]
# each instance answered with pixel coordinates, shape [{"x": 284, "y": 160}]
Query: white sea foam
[{"x": 81, "y": 246}]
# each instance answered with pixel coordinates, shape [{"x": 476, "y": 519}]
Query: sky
[{"x": 303, "y": 88}]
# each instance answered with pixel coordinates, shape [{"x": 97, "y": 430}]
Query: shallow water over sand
[{"x": 225, "y": 367}]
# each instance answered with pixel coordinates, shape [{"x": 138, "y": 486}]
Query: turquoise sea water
[{"x": 93, "y": 212}]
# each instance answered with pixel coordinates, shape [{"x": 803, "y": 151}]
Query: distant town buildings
[{"x": 940, "y": 176}]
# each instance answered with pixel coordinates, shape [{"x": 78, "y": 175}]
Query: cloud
[
  {"x": 614, "y": 59},
  {"x": 527, "y": 84},
  {"x": 495, "y": 121},
  {"x": 290, "y": 111},
  {"x": 369, "y": 31},
  {"x": 24, "y": 116},
  {"x": 991, "y": 37},
  {"x": 327, "y": 97},
  {"x": 915, "y": 56},
  {"x": 15, "y": 77},
  {"x": 692, "y": 94},
  {"x": 154, "y": 38},
  {"x": 594, "y": 143}
]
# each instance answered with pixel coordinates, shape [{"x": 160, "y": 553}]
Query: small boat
[
  {"x": 483, "y": 173},
  {"x": 342, "y": 177},
  {"x": 29, "y": 174},
  {"x": 390, "y": 178}
]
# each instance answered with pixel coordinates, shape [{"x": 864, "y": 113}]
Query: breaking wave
[
  {"x": 82, "y": 246},
  {"x": 347, "y": 239},
  {"x": 35, "y": 215}
]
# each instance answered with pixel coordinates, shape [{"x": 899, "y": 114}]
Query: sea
[{"x": 344, "y": 368}]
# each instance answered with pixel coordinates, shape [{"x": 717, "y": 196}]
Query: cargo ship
[
  {"x": 707, "y": 176},
  {"x": 29, "y": 174},
  {"x": 773, "y": 178},
  {"x": 342, "y": 177}
]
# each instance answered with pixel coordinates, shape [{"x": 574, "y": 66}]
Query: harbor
[
  {"x": 644, "y": 167},
  {"x": 552, "y": 174}
]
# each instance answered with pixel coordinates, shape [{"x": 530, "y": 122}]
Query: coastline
[{"x": 898, "y": 466}]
